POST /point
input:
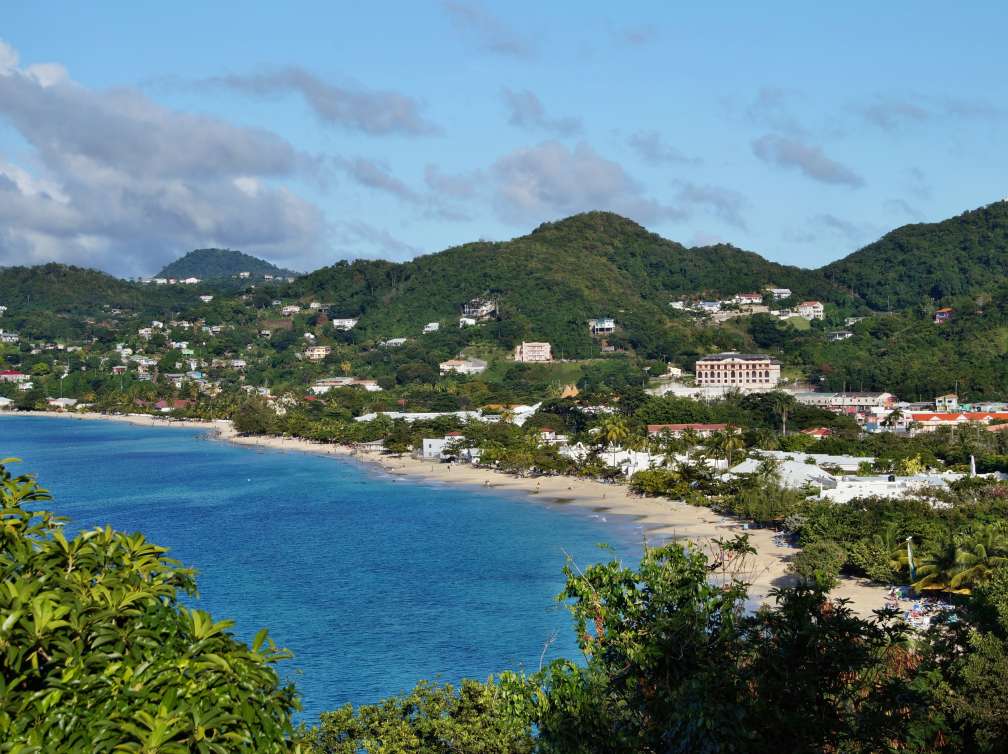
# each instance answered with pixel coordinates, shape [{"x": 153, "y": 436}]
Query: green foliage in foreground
[{"x": 97, "y": 655}]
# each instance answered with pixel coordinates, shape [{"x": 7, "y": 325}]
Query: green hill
[
  {"x": 212, "y": 264},
  {"x": 959, "y": 256},
  {"x": 550, "y": 282}
]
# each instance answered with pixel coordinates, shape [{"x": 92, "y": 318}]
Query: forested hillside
[
  {"x": 210, "y": 264},
  {"x": 959, "y": 256},
  {"x": 550, "y": 282}
]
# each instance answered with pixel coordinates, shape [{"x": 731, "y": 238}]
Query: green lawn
[{"x": 799, "y": 323}]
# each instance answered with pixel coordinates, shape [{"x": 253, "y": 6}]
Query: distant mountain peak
[{"x": 211, "y": 264}]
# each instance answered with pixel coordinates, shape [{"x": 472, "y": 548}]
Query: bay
[{"x": 372, "y": 581}]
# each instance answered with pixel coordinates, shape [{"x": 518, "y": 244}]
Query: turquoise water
[{"x": 373, "y": 582}]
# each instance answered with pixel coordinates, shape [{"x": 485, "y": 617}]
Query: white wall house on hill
[
  {"x": 533, "y": 351},
  {"x": 463, "y": 366},
  {"x": 344, "y": 323},
  {"x": 811, "y": 310}
]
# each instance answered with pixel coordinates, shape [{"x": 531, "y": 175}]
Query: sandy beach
[{"x": 662, "y": 519}]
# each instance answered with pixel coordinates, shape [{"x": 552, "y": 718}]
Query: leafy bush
[
  {"x": 819, "y": 563},
  {"x": 99, "y": 656}
]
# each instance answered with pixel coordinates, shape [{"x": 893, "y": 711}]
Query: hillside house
[
  {"x": 345, "y": 323},
  {"x": 602, "y": 325},
  {"x": 315, "y": 305},
  {"x": 431, "y": 327},
  {"x": 744, "y": 299},
  {"x": 947, "y": 402},
  {"x": 317, "y": 353},
  {"x": 206, "y": 299},
  {"x": 811, "y": 310},
  {"x": 190, "y": 281},
  {"x": 290, "y": 310},
  {"x": 549, "y": 436},
  {"x": 817, "y": 433},
  {"x": 837, "y": 335},
  {"x": 467, "y": 322},
  {"x": 943, "y": 315},
  {"x": 709, "y": 306},
  {"x": 9, "y": 337},
  {"x": 324, "y": 385},
  {"x": 393, "y": 342},
  {"x": 479, "y": 308},
  {"x": 12, "y": 375},
  {"x": 463, "y": 366},
  {"x": 527, "y": 352},
  {"x": 5, "y": 403},
  {"x": 779, "y": 294},
  {"x": 743, "y": 371},
  {"x": 244, "y": 275}
]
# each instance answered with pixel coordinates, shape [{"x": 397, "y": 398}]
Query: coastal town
[{"x": 689, "y": 431}]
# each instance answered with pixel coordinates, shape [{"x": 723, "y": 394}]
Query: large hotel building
[{"x": 746, "y": 371}]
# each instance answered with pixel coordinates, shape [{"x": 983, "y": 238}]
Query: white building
[
  {"x": 9, "y": 337},
  {"x": 467, "y": 321},
  {"x": 837, "y": 335},
  {"x": 317, "y": 353},
  {"x": 744, "y": 299},
  {"x": 206, "y": 299},
  {"x": 431, "y": 327},
  {"x": 533, "y": 351},
  {"x": 323, "y": 386},
  {"x": 345, "y": 323},
  {"x": 244, "y": 275},
  {"x": 463, "y": 366},
  {"x": 779, "y": 294},
  {"x": 738, "y": 370},
  {"x": 602, "y": 325},
  {"x": 811, "y": 310},
  {"x": 846, "y": 403},
  {"x": 393, "y": 342},
  {"x": 190, "y": 281},
  {"x": 290, "y": 309},
  {"x": 479, "y": 308}
]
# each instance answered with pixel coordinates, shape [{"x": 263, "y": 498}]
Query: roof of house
[
  {"x": 10, "y": 372},
  {"x": 810, "y": 303},
  {"x": 655, "y": 428},
  {"x": 944, "y": 310},
  {"x": 817, "y": 432},
  {"x": 734, "y": 355}
]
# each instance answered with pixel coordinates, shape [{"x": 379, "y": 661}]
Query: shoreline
[{"x": 662, "y": 519}]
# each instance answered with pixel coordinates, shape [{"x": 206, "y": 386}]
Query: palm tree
[
  {"x": 729, "y": 442},
  {"x": 690, "y": 438},
  {"x": 938, "y": 570},
  {"x": 978, "y": 555},
  {"x": 614, "y": 432},
  {"x": 894, "y": 418},
  {"x": 345, "y": 367}
]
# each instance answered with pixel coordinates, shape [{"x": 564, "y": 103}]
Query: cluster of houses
[{"x": 747, "y": 304}]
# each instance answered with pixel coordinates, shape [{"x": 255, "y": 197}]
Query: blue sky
[{"x": 310, "y": 132}]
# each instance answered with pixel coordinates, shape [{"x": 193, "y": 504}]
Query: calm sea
[{"x": 373, "y": 582}]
